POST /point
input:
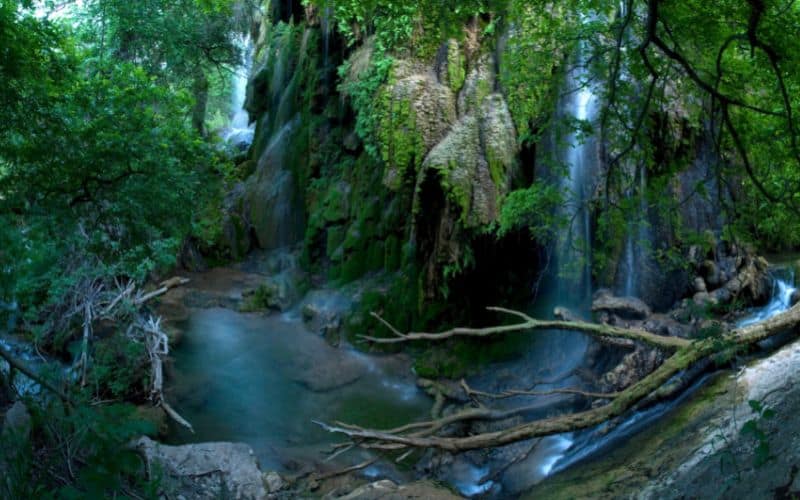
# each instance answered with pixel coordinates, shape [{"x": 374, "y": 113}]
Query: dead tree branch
[
  {"x": 528, "y": 323},
  {"x": 655, "y": 385}
]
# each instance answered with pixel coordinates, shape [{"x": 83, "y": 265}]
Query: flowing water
[
  {"x": 239, "y": 132},
  {"x": 262, "y": 380},
  {"x": 594, "y": 441},
  {"x": 782, "y": 291}
]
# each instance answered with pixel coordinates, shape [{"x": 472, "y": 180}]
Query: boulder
[
  {"x": 633, "y": 367},
  {"x": 207, "y": 470},
  {"x": 700, "y": 285},
  {"x": 624, "y": 307}
]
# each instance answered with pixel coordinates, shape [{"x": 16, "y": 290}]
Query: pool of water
[{"x": 262, "y": 380}]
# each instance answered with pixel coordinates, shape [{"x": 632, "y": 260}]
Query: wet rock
[
  {"x": 564, "y": 314},
  {"x": 634, "y": 367},
  {"x": 663, "y": 324},
  {"x": 274, "y": 482},
  {"x": 712, "y": 274},
  {"x": 700, "y": 285},
  {"x": 420, "y": 114},
  {"x": 624, "y": 307},
  {"x": 795, "y": 297},
  {"x": 207, "y": 470},
  {"x": 323, "y": 312},
  {"x": 480, "y": 82},
  {"x": 327, "y": 370},
  {"x": 278, "y": 292}
]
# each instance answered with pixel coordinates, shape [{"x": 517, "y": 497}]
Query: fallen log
[{"x": 685, "y": 354}]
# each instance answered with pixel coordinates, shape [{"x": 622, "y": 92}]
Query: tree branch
[{"x": 528, "y": 323}]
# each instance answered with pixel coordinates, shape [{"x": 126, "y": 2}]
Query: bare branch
[{"x": 596, "y": 330}]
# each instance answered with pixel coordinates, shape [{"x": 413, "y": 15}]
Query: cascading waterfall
[
  {"x": 240, "y": 131},
  {"x": 581, "y": 157},
  {"x": 595, "y": 441},
  {"x": 782, "y": 291},
  {"x": 637, "y": 240}
]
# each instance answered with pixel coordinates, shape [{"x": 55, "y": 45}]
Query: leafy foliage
[{"x": 95, "y": 441}]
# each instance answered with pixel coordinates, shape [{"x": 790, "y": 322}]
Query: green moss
[
  {"x": 456, "y": 72},
  {"x": 401, "y": 143},
  {"x": 355, "y": 265},
  {"x": 335, "y": 238},
  {"x": 393, "y": 256},
  {"x": 260, "y": 299},
  {"x": 376, "y": 256},
  {"x": 353, "y": 238},
  {"x": 335, "y": 205}
]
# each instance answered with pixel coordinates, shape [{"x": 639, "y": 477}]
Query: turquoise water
[{"x": 263, "y": 379}]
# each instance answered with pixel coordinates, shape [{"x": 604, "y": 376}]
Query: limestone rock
[
  {"x": 270, "y": 201},
  {"x": 624, "y": 307},
  {"x": 564, "y": 314},
  {"x": 208, "y": 470},
  {"x": 274, "y": 482},
  {"x": 420, "y": 112},
  {"x": 474, "y": 162},
  {"x": 480, "y": 82},
  {"x": 277, "y": 292}
]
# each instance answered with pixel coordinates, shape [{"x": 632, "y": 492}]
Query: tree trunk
[{"x": 200, "y": 91}]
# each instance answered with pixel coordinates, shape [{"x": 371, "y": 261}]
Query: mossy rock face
[
  {"x": 418, "y": 112},
  {"x": 376, "y": 255},
  {"x": 479, "y": 83},
  {"x": 499, "y": 139},
  {"x": 475, "y": 161},
  {"x": 336, "y": 206},
  {"x": 393, "y": 253},
  {"x": 335, "y": 238},
  {"x": 452, "y": 66}
]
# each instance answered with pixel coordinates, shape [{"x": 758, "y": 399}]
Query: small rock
[
  {"x": 564, "y": 314},
  {"x": 712, "y": 274},
  {"x": 700, "y": 285},
  {"x": 701, "y": 298},
  {"x": 624, "y": 307},
  {"x": 274, "y": 482}
]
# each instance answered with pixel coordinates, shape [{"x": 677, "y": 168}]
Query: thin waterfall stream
[{"x": 240, "y": 132}]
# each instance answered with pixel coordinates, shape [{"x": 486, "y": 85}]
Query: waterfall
[
  {"x": 637, "y": 240},
  {"x": 782, "y": 291},
  {"x": 239, "y": 132},
  {"x": 581, "y": 157}
]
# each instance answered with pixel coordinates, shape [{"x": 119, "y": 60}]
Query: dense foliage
[{"x": 104, "y": 172}]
